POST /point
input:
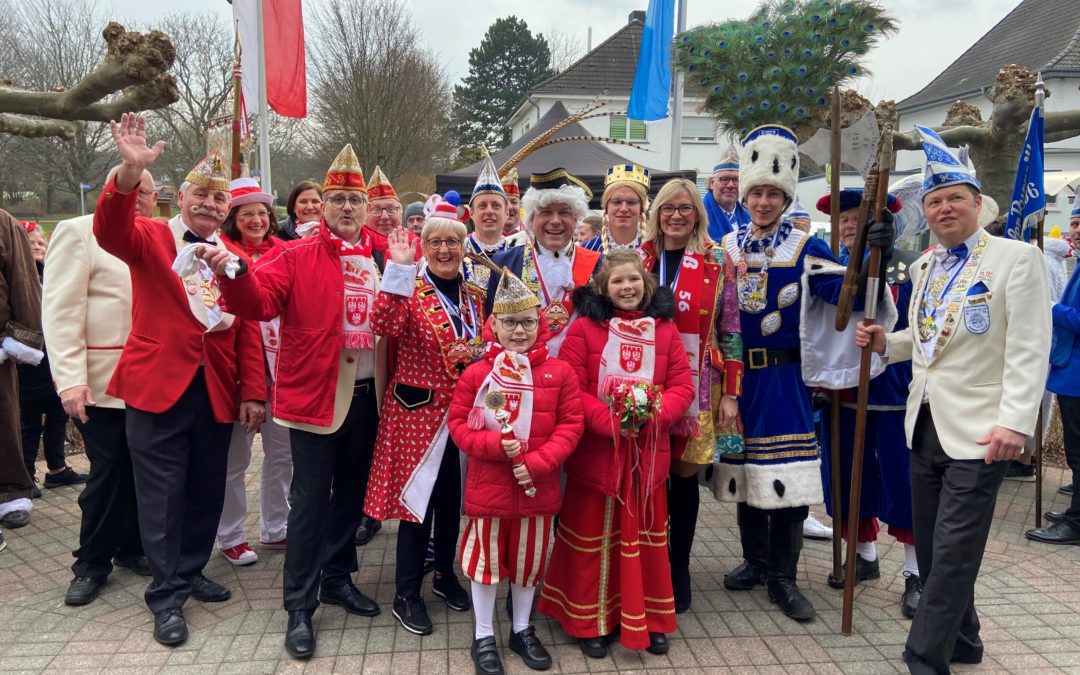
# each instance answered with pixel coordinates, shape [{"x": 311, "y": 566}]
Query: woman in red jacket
[
  {"x": 612, "y": 532},
  {"x": 512, "y": 492}
]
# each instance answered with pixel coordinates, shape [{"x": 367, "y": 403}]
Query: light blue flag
[
  {"x": 1029, "y": 192},
  {"x": 652, "y": 80}
]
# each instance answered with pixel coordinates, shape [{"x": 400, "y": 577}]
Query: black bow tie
[{"x": 196, "y": 239}]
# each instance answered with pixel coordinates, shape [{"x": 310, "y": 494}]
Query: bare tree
[
  {"x": 566, "y": 48},
  {"x": 374, "y": 84}
]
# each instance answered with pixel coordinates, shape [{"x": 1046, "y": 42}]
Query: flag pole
[
  {"x": 264, "y": 107},
  {"x": 1040, "y": 98},
  {"x": 677, "y": 95},
  {"x": 834, "y": 396},
  {"x": 238, "y": 107}
]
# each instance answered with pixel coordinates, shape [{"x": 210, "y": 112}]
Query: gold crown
[{"x": 628, "y": 173}]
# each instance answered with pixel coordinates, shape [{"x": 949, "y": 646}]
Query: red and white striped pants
[{"x": 516, "y": 549}]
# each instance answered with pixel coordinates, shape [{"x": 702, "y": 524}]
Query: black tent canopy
[{"x": 588, "y": 160}]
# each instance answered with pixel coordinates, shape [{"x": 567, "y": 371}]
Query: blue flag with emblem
[
  {"x": 652, "y": 80},
  {"x": 1029, "y": 193}
]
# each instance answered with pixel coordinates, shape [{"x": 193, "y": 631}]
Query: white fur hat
[{"x": 770, "y": 156}]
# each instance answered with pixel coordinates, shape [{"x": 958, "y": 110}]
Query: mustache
[{"x": 207, "y": 211}]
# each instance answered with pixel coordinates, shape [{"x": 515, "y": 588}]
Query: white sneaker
[
  {"x": 240, "y": 555},
  {"x": 812, "y": 528}
]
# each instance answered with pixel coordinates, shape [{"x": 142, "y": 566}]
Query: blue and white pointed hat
[
  {"x": 729, "y": 161},
  {"x": 797, "y": 210},
  {"x": 488, "y": 182},
  {"x": 943, "y": 169},
  {"x": 1075, "y": 207}
]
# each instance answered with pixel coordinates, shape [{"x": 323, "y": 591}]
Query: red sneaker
[{"x": 240, "y": 555}]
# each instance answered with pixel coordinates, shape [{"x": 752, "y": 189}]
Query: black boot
[
  {"x": 754, "y": 534},
  {"x": 683, "y": 503},
  {"x": 785, "y": 545}
]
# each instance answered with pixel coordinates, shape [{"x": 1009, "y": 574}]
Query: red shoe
[
  {"x": 240, "y": 555},
  {"x": 278, "y": 545}
]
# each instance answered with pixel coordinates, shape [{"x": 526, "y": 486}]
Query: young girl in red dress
[
  {"x": 512, "y": 490},
  {"x": 609, "y": 567}
]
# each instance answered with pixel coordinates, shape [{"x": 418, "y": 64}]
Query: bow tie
[
  {"x": 950, "y": 256},
  {"x": 193, "y": 238}
]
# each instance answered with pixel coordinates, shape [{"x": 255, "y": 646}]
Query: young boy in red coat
[{"x": 517, "y": 414}]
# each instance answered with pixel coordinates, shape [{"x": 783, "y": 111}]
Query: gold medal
[{"x": 557, "y": 316}]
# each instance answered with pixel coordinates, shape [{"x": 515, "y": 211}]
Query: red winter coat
[
  {"x": 490, "y": 487},
  {"x": 300, "y": 281},
  {"x": 591, "y": 464}
]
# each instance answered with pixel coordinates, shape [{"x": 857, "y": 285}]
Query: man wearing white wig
[
  {"x": 788, "y": 283},
  {"x": 553, "y": 265}
]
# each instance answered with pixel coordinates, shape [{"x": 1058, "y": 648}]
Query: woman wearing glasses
[
  {"x": 625, "y": 201},
  {"x": 436, "y": 321},
  {"x": 679, "y": 253}
]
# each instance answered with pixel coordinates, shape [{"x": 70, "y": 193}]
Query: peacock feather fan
[{"x": 781, "y": 65}]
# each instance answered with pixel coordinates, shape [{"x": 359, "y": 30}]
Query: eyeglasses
[
  {"x": 252, "y": 216},
  {"x": 683, "y": 209},
  {"x": 145, "y": 194},
  {"x": 628, "y": 203},
  {"x": 450, "y": 244},
  {"x": 725, "y": 179},
  {"x": 339, "y": 201},
  {"x": 512, "y": 324},
  {"x": 388, "y": 210}
]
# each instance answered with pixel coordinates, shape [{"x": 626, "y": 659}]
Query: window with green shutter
[{"x": 624, "y": 129}]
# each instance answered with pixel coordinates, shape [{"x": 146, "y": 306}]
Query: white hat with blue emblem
[{"x": 943, "y": 169}]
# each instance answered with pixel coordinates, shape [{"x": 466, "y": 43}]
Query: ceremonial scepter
[
  {"x": 496, "y": 401},
  {"x": 877, "y": 184}
]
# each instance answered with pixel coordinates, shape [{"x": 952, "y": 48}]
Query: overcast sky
[{"x": 932, "y": 33}]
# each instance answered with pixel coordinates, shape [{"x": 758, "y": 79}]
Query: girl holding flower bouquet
[{"x": 609, "y": 567}]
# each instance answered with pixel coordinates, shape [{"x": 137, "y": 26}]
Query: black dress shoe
[
  {"x": 170, "y": 629},
  {"x": 790, "y": 599},
  {"x": 526, "y": 645},
  {"x": 1066, "y": 489},
  {"x": 864, "y": 570},
  {"x": 485, "y": 656},
  {"x": 135, "y": 563},
  {"x": 744, "y": 577},
  {"x": 658, "y": 644},
  {"x": 970, "y": 658},
  {"x": 447, "y": 587},
  {"x": 367, "y": 530},
  {"x": 16, "y": 519},
  {"x": 300, "y": 636},
  {"x": 83, "y": 590},
  {"x": 1054, "y": 516},
  {"x": 412, "y": 614},
  {"x": 350, "y": 598},
  {"x": 1058, "y": 533},
  {"x": 680, "y": 584},
  {"x": 35, "y": 492},
  {"x": 593, "y": 647},
  {"x": 909, "y": 602},
  {"x": 204, "y": 590},
  {"x": 68, "y": 476}
]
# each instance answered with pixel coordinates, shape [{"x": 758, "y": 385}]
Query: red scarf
[{"x": 358, "y": 272}]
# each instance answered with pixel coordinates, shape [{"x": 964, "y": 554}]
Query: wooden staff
[
  {"x": 834, "y": 396},
  {"x": 877, "y": 184},
  {"x": 238, "y": 110}
]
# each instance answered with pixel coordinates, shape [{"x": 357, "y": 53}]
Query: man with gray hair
[
  {"x": 553, "y": 265},
  {"x": 86, "y": 313}
]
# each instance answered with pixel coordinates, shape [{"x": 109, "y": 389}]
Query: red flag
[{"x": 286, "y": 70}]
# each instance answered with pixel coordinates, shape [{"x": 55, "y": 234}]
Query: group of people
[{"x": 571, "y": 397}]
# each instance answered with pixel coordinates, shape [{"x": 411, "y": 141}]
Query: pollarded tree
[{"x": 508, "y": 63}]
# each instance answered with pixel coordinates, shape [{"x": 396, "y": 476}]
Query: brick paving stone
[{"x": 1028, "y": 597}]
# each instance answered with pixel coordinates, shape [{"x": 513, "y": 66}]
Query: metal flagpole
[
  {"x": 264, "y": 108},
  {"x": 1040, "y": 98},
  {"x": 677, "y": 95}
]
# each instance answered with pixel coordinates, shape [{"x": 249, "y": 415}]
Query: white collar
[{"x": 565, "y": 252}]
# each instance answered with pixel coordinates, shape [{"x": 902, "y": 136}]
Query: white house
[{"x": 607, "y": 73}]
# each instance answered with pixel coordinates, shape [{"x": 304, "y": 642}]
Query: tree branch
[
  {"x": 1061, "y": 121},
  {"x": 34, "y": 128},
  {"x": 953, "y": 136}
]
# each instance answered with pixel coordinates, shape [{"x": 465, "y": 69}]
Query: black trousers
[
  {"x": 46, "y": 415},
  {"x": 953, "y": 502},
  {"x": 110, "y": 513},
  {"x": 412, "y": 538},
  {"x": 179, "y": 458},
  {"x": 330, "y": 474},
  {"x": 1069, "y": 407}
]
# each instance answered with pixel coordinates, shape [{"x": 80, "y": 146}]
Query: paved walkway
[{"x": 1028, "y": 597}]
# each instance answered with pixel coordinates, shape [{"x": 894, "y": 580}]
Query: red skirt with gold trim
[{"x": 609, "y": 567}]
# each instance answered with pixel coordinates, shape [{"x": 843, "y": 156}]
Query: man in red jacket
[
  {"x": 186, "y": 366},
  {"x": 323, "y": 288}
]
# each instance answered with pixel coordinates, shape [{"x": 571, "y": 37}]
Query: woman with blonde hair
[
  {"x": 624, "y": 203},
  {"x": 678, "y": 251}
]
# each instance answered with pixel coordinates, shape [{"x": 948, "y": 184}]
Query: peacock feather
[{"x": 781, "y": 65}]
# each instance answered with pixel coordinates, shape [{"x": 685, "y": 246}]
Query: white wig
[
  {"x": 571, "y": 195},
  {"x": 435, "y": 223}
]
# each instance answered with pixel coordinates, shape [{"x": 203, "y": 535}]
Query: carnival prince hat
[
  {"x": 345, "y": 173},
  {"x": 770, "y": 156},
  {"x": 943, "y": 169},
  {"x": 209, "y": 173},
  {"x": 512, "y": 295},
  {"x": 380, "y": 187},
  {"x": 488, "y": 182}
]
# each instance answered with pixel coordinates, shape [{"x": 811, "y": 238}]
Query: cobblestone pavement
[{"x": 1028, "y": 597}]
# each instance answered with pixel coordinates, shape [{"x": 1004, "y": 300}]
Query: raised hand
[
  {"x": 402, "y": 251},
  {"x": 137, "y": 156}
]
